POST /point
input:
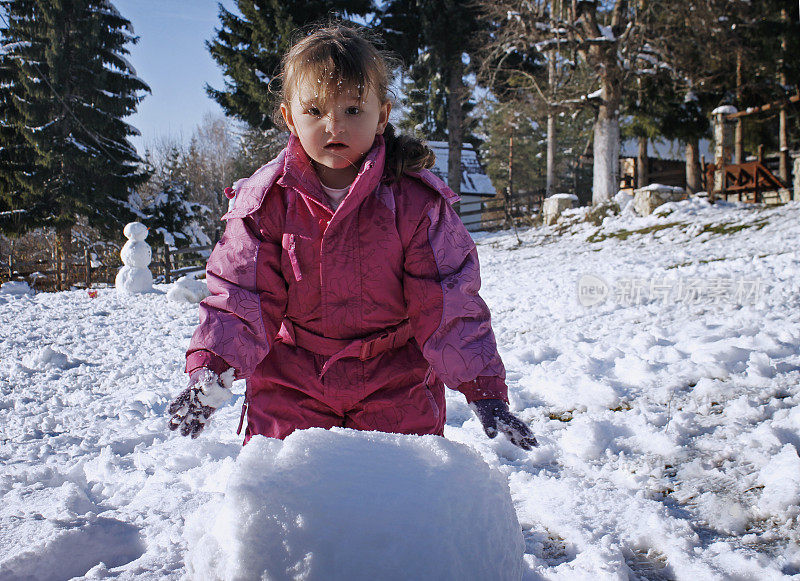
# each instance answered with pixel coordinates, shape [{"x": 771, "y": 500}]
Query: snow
[
  {"x": 329, "y": 504},
  {"x": 656, "y": 187},
  {"x": 724, "y": 110},
  {"x": 668, "y": 414},
  {"x": 189, "y": 290},
  {"x": 473, "y": 178},
  {"x": 136, "y": 254},
  {"x": 13, "y": 46},
  {"x": 15, "y": 287},
  {"x": 660, "y": 148}
]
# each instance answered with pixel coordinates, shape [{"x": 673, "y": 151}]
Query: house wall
[
  {"x": 470, "y": 204},
  {"x": 660, "y": 171}
]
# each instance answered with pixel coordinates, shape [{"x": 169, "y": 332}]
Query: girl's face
[{"x": 338, "y": 136}]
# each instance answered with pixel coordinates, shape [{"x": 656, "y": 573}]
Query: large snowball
[{"x": 347, "y": 505}]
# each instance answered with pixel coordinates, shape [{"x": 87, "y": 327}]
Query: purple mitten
[
  {"x": 193, "y": 407},
  {"x": 494, "y": 415}
]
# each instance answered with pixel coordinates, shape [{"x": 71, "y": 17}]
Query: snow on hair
[{"x": 339, "y": 57}]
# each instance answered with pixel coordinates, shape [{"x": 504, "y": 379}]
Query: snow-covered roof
[
  {"x": 664, "y": 149},
  {"x": 474, "y": 180}
]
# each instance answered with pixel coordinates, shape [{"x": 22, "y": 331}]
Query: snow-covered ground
[{"x": 657, "y": 360}]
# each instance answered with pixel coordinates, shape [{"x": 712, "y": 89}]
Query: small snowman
[{"x": 135, "y": 277}]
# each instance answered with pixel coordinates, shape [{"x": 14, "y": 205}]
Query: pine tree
[
  {"x": 434, "y": 36},
  {"x": 256, "y": 147},
  {"x": 426, "y": 105},
  {"x": 249, "y": 48},
  {"x": 19, "y": 45},
  {"x": 71, "y": 88},
  {"x": 513, "y": 123},
  {"x": 170, "y": 214}
]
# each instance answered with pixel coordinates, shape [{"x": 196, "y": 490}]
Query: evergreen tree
[
  {"x": 71, "y": 86},
  {"x": 426, "y": 105},
  {"x": 249, "y": 48},
  {"x": 524, "y": 122},
  {"x": 170, "y": 213},
  {"x": 434, "y": 37},
  {"x": 18, "y": 45},
  {"x": 257, "y": 147},
  {"x": 513, "y": 125}
]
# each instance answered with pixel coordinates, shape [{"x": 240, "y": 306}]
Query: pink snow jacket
[{"x": 387, "y": 254}]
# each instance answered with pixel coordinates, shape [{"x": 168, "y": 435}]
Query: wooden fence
[
  {"x": 172, "y": 263},
  {"x": 52, "y": 274},
  {"x": 79, "y": 272},
  {"x": 174, "y": 256},
  {"x": 499, "y": 212}
]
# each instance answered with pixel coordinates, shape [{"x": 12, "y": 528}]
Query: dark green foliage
[
  {"x": 702, "y": 52},
  {"x": 521, "y": 121},
  {"x": 19, "y": 43},
  {"x": 171, "y": 217},
  {"x": 508, "y": 121},
  {"x": 438, "y": 40},
  {"x": 249, "y": 49},
  {"x": 426, "y": 105},
  {"x": 425, "y": 102},
  {"x": 257, "y": 147},
  {"x": 66, "y": 87}
]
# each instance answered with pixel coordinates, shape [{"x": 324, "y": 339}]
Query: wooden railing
[
  {"x": 49, "y": 275},
  {"x": 499, "y": 211},
  {"x": 174, "y": 256},
  {"x": 746, "y": 181}
]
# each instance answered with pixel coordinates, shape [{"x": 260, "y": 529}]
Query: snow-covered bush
[{"x": 188, "y": 289}]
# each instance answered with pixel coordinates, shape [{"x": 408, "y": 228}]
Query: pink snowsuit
[{"x": 353, "y": 318}]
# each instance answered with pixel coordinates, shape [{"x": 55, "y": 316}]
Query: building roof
[
  {"x": 474, "y": 180},
  {"x": 663, "y": 149}
]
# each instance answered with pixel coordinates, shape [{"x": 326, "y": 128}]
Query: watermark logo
[{"x": 592, "y": 290}]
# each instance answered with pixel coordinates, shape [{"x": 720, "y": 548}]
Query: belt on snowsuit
[{"x": 335, "y": 349}]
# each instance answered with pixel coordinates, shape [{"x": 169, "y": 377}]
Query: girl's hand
[
  {"x": 494, "y": 415},
  {"x": 192, "y": 409}
]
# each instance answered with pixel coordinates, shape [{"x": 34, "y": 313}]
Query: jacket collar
[{"x": 298, "y": 173}]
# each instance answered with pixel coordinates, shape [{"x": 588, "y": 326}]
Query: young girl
[{"x": 345, "y": 287}]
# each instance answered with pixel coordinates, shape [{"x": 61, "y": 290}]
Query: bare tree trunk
[
  {"x": 605, "y": 177},
  {"x": 551, "y": 130},
  {"x": 64, "y": 250},
  {"x": 692, "y": 167},
  {"x": 783, "y": 132},
  {"x": 551, "y": 154},
  {"x": 642, "y": 173},
  {"x": 738, "y": 140},
  {"x": 455, "y": 125}
]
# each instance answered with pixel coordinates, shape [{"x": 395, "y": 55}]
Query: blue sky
[{"x": 171, "y": 57}]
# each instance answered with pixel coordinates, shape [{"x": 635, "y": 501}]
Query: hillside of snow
[{"x": 656, "y": 359}]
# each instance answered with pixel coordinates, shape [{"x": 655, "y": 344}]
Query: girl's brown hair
[{"x": 340, "y": 57}]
